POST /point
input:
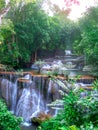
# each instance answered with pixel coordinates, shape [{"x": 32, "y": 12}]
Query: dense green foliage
[
  {"x": 2, "y": 4},
  {"x": 88, "y": 43},
  {"x": 79, "y": 113},
  {"x": 9, "y": 51},
  {"x": 27, "y": 29},
  {"x": 7, "y": 120}
]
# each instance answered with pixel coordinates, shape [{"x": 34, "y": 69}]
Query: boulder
[{"x": 40, "y": 117}]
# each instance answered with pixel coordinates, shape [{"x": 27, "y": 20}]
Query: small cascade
[
  {"x": 6, "y": 87},
  {"x": 29, "y": 103},
  {"x": 53, "y": 90},
  {"x": 67, "y": 64},
  {"x": 49, "y": 96},
  {"x": 14, "y": 97},
  {"x": 9, "y": 93},
  {"x": 52, "y": 95},
  {"x": 68, "y": 52}
]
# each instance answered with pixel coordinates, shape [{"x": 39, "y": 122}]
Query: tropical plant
[
  {"x": 7, "y": 120},
  {"x": 78, "y": 113}
]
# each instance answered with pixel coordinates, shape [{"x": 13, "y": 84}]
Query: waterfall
[
  {"x": 14, "y": 96},
  {"x": 9, "y": 93},
  {"x": 29, "y": 95},
  {"x": 30, "y": 101},
  {"x": 52, "y": 95},
  {"x": 6, "y": 90}
]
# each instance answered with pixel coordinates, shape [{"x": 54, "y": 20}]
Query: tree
[
  {"x": 7, "y": 120},
  {"x": 2, "y": 4},
  {"x": 8, "y": 48},
  {"x": 30, "y": 23},
  {"x": 31, "y": 29},
  {"x": 89, "y": 36}
]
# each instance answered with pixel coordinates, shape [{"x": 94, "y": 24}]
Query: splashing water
[
  {"x": 30, "y": 103},
  {"x": 9, "y": 93}
]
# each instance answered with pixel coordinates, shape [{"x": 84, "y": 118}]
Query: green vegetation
[
  {"x": 7, "y": 120},
  {"x": 2, "y": 4},
  {"x": 79, "y": 113},
  {"x": 88, "y": 43},
  {"x": 27, "y": 28}
]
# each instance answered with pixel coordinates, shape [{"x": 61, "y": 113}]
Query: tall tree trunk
[{"x": 35, "y": 56}]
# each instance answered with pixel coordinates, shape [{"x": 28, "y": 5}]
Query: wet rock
[
  {"x": 88, "y": 68},
  {"x": 41, "y": 116},
  {"x": 53, "y": 92},
  {"x": 35, "y": 68}
]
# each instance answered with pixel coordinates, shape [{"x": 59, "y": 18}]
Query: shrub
[
  {"x": 78, "y": 113},
  {"x": 7, "y": 120}
]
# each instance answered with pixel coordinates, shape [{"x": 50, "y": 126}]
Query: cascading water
[
  {"x": 6, "y": 90},
  {"x": 14, "y": 97},
  {"x": 26, "y": 105},
  {"x": 9, "y": 93},
  {"x": 28, "y": 95},
  {"x": 27, "y": 99},
  {"x": 31, "y": 96},
  {"x": 30, "y": 102}
]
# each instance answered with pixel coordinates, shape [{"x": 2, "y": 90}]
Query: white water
[
  {"x": 30, "y": 103},
  {"x": 14, "y": 96},
  {"x": 5, "y": 85},
  {"x": 68, "y": 52},
  {"x": 27, "y": 99},
  {"x": 9, "y": 93}
]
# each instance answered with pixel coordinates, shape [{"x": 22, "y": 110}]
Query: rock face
[{"x": 40, "y": 117}]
